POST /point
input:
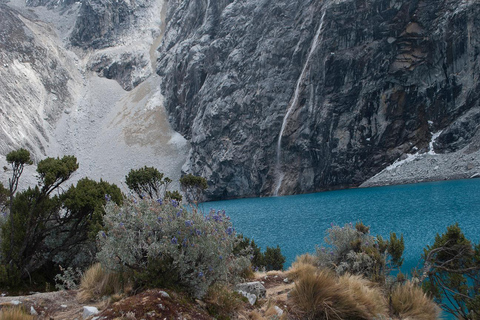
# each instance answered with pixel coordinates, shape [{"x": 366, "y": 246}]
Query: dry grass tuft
[
  {"x": 409, "y": 301},
  {"x": 255, "y": 315},
  {"x": 306, "y": 263},
  {"x": 97, "y": 282},
  {"x": 306, "y": 258},
  {"x": 321, "y": 296},
  {"x": 370, "y": 298},
  {"x": 14, "y": 313},
  {"x": 223, "y": 301}
]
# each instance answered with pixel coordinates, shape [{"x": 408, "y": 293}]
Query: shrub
[
  {"x": 68, "y": 279},
  {"x": 409, "y": 301},
  {"x": 14, "y": 313},
  {"x": 96, "y": 282},
  {"x": 197, "y": 248},
  {"x": 353, "y": 250}
]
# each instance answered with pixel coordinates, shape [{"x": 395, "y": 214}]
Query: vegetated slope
[
  {"x": 355, "y": 85},
  {"x": 77, "y": 78}
]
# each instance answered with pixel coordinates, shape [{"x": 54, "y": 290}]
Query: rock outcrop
[{"x": 360, "y": 83}]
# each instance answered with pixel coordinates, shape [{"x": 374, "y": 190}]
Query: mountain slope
[{"x": 291, "y": 97}]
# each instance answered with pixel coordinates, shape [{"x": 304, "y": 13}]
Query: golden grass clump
[
  {"x": 14, "y": 313},
  {"x": 321, "y": 295},
  {"x": 409, "y": 301},
  {"x": 306, "y": 263},
  {"x": 370, "y": 298},
  {"x": 97, "y": 282}
]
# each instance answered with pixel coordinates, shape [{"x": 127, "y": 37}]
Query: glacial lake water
[{"x": 418, "y": 211}]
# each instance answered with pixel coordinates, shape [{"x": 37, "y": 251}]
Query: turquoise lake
[{"x": 418, "y": 211}]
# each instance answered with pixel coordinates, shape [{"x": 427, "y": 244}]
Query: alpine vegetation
[
  {"x": 163, "y": 240},
  {"x": 354, "y": 250}
]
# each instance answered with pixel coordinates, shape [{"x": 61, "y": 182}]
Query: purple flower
[
  {"x": 229, "y": 230},
  {"x": 174, "y": 203},
  {"x": 200, "y": 274},
  {"x": 159, "y": 219},
  {"x": 220, "y": 257},
  {"x": 120, "y": 224},
  {"x": 104, "y": 235},
  {"x": 174, "y": 240},
  {"x": 160, "y": 201},
  {"x": 198, "y": 232},
  {"x": 107, "y": 197},
  {"x": 188, "y": 223}
]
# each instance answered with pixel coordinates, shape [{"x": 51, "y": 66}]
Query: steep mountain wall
[
  {"x": 35, "y": 82},
  {"x": 355, "y": 84}
]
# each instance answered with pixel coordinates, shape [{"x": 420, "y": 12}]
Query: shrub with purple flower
[{"x": 192, "y": 244}]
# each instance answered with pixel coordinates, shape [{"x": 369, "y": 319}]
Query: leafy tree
[
  {"x": 53, "y": 172},
  {"x": 57, "y": 229},
  {"x": 452, "y": 273},
  {"x": 193, "y": 187},
  {"x": 18, "y": 159},
  {"x": 271, "y": 259},
  {"x": 84, "y": 204},
  {"x": 148, "y": 181}
]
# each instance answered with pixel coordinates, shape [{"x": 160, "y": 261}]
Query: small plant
[
  {"x": 195, "y": 248},
  {"x": 68, "y": 279},
  {"x": 409, "y": 301}
]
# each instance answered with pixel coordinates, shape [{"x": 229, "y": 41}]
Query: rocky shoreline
[{"x": 429, "y": 166}]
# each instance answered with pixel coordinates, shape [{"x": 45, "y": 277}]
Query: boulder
[
  {"x": 89, "y": 311},
  {"x": 255, "y": 288}
]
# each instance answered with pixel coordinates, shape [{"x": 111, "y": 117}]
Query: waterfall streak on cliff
[{"x": 292, "y": 106}]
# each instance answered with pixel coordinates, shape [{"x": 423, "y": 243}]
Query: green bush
[
  {"x": 273, "y": 259},
  {"x": 452, "y": 270},
  {"x": 197, "y": 248}
]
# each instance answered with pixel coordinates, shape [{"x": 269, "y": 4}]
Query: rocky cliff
[
  {"x": 275, "y": 97},
  {"x": 293, "y": 97}
]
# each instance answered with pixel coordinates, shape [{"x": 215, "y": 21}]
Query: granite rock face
[
  {"x": 355, "y": 84},
  {"x": 35, "y": 82}
]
